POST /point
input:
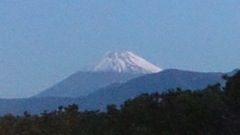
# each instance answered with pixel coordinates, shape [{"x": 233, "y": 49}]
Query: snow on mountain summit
[{"x": 124, "y": 62}]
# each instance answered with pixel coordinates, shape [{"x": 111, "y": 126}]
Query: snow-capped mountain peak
[{"x": 124, "y": 62}]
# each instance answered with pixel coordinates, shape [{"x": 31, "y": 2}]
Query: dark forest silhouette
[{"x": 211, "y": 111}]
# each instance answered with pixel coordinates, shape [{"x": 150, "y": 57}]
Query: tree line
[{"x": 211, "y": 111}]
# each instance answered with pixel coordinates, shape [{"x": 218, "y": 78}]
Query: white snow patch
[{"x": 124, "y": 62}]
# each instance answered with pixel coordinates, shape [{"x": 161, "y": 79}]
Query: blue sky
[{"x": 44, "y": 41}]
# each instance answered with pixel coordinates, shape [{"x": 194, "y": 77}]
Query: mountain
[
  {"x": 229, "y": 74},
  {"x": 124, "y": 62},
  {"x": 158, "y": 82},
  {"x": 114, "y": 67},
  {"x": 116, "y": 93},
  {"x": 118, "y": 76}
]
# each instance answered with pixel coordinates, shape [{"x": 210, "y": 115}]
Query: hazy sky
[{"x": 44, "y": 41}]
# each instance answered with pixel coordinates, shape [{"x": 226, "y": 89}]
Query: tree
[{"x": 232, "y": 92}]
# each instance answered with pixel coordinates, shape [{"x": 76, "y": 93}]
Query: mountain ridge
[
  {"x": 116, "y": 93},
  {"x": 84, "y": 83},
  {"x": 157, "y": 82}
]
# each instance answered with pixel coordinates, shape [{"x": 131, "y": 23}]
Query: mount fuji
[
  {"x": 118, "y": 76},
  {"x": 114, "y": 67}
]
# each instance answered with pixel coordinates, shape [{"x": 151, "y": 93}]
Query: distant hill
[
  {"x": 33, "y": 105},
  {"x": 158, "y": 82},
  {"x": 116, "y": 93}
]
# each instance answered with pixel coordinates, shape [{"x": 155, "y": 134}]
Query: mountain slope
[
  {"x": 114, "y": 67},
  {"x": 116, "y": 93},
  {"x": 159, "y": 82},
  {"x": 83, "y": 83}
]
